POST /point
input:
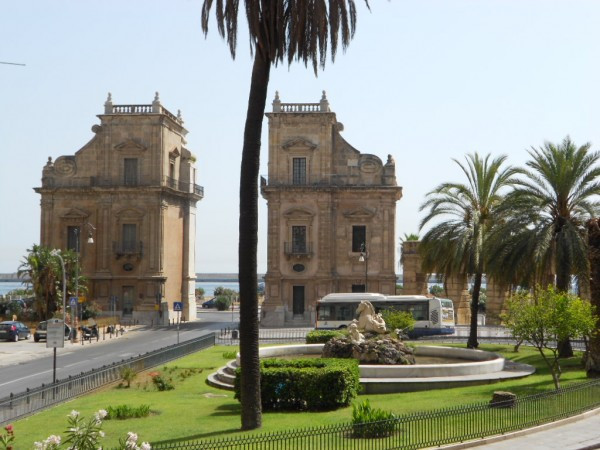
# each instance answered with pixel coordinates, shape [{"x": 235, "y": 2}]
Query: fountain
[{"x": 475, "y": 366}]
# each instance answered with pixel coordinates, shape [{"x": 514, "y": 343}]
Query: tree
[
  {"x": 547, "y": 317},
  {"x": 545, "y": 232},
  {"x": 592, "y": 362},
  {"x": 468, "y": 212},
  {"x": 279, "y": 30}
]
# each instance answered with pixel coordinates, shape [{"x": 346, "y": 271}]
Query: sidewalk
[{"x": 574, "y": 433}]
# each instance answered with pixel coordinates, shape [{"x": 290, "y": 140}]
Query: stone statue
[
  {"x": 368, "y": 320},
  {"x": 355, "y": 336}
]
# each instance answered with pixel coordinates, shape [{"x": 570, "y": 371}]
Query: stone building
[
  {"x": 331, "y": 214},
  {"x": 131, "y": 189}
]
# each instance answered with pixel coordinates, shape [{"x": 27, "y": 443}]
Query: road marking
[{"x": 27, "y": 376}]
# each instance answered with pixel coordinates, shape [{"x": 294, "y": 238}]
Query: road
[{"x": 28, "y": 364}]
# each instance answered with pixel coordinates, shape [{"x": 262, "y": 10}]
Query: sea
[{"x": 209, "y": 287}]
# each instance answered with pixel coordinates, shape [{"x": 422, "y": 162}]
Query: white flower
[
  {"x": 38, "y": 446},
  {"x": 55, "y": 440},
  {"x": 101, "y": 414},
  {"x": 101, "y": 433},
  {"x": 74, "y": 414},
  {"x": 145, "y": 446},
  {"x": 132, "y": 437}
]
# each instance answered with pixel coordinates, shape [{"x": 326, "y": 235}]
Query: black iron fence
[
  {"x": 231, "y": 336},
  {"x": 33, "y": 400},
  {"x": 420, "y": 430}
]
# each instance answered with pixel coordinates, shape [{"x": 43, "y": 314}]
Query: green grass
[{"x": 186, "y": 413}]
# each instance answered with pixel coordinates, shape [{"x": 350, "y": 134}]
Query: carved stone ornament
[
  {"x": 65, "y": 166},
  {"x": 359, "y": 214},
  {"x": 299, "y": 214},
  {"x": 368, "y": 321},
  {"x": 370, "y": 164},
  {"x": 129, "y": 145},
  {"x": 299, "y": 143}
]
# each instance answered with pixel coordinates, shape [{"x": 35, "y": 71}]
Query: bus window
[
  {"x": 420, "y": 311},
  {"x": 344, "y": 313},
  {"x": 324, "y": 312}
]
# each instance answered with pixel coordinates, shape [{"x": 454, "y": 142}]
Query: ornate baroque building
[
  {"x": 132, "y": 189},
  {"x": 331, "y": 214}
]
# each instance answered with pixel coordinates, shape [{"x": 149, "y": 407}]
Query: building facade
[
  {"x": 331, "y": 214},
  {"x": 132, "y": 190}
]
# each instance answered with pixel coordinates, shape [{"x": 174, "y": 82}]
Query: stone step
[
  {"x": 225, "y": 377},
  {"x": 213, "y": 381}
]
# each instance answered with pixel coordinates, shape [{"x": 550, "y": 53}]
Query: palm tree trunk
[
  {"x": 248, "y": 235},
  {"x": 592, "y": 363},
  {"x": 563, "y": 283},
  {"x": 472, "y": 342}
]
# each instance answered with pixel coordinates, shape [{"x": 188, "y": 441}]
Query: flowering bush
[
  {"x": 85, "y": 434},
  {"x": 7, "y": 439}
]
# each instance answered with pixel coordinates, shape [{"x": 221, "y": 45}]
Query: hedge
[
  {"x": 322, "y": 336},
  {"x": 312, "y": 384}
]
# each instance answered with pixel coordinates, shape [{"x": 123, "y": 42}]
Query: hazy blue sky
[{"x": 423, "y": 80}]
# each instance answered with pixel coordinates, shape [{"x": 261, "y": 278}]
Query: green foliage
[
  {"x": 395, "y": 320},
  {"x": 437, "y": 290},
  {"x": 547, "y": 317},
  {"x": 230, "y": 355},
  {"x": 306, "y": 383},
  {"x": 399, "y": 288},
  {"x": 122, "y": 412},
  {"x": 223, "y": 303},
  {"x": 322, "y": 336},
  {"x": 409, "y": 237},
  {"x": 220, "y": 290},
  {"x": 369, "y": 422},
  {"x": 7, "y": 438},
  {"x": 127, "y": 375},
  {"x": 199, "y": 292},
  {"x": 161, "y": 383}
]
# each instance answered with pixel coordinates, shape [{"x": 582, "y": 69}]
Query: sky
[{"x": 423, "y": 80}]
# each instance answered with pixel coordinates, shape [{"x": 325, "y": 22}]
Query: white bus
[{"x": 433, "y": 316}]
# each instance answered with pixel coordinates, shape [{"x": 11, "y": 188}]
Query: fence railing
[
  {"x": 231, "y": 336},
  {"x": 33, "y": 400},
  {"x": 420, "y": 430}
]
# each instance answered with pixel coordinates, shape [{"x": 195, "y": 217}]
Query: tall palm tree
[
  {"x": 468, "y": 212},
  {"x": 592, "y": 363},
  {"x": 44, "y": 272},
  {"x": 545, "y": 233},
  {"x": 279, "y": 30}
]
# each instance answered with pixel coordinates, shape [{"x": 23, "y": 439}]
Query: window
[
  {"x": 131, "y": 171},
  {"x": 359, "y": 237},
  {"x": 129, "y": 237},
  {"x": 299, "y": 171},
  {"x": 298, "y": 239},
  {"x": 73, "y": 239}
]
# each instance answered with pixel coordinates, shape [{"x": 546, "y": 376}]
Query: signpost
[
  {"x": 55, "y": 338},
  {"x": 178, "y": 306}
]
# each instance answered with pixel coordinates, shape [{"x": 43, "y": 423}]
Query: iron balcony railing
[
  {"x": 121, "y": 249},
  {"x": 298, "y": 249}
]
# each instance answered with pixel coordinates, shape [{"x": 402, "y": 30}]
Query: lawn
[{"x": 194, "y": 410}]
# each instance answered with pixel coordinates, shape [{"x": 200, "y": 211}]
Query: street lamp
[
  {"x": 56, "y": 252},
  {"x": 364, "y": 257},
  {"x": 90, "y": 240}
]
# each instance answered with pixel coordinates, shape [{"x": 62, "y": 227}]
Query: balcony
[
  {"x": 298, "y": 250},
  {"x": 128, "y": 249}
]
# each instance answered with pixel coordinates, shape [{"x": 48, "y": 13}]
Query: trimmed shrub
[
  {"x": 368, "y": 422},
  {"x": 222, "y": 303},
  {"x": 322, "y": 336},
  {"x": 122, "y": 412},
  {"x": 306, "y": 383}
]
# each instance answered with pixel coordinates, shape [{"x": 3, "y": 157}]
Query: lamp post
[
  {"x": 56, "y": 252},
  {"x": 90, "y": 240},
  {"x": 364, "y": 257}
]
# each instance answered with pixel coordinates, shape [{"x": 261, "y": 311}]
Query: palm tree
[
  {"x": 468, "y": 212},
  {"x": 592, "y": 363},
  {"x": 44, "y": 272},
  {"x": 545, "y": 232},
  {"x": 279, "y": 30}
]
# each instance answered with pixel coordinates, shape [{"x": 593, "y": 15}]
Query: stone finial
[
  {"x": 49, "y": 163},
  {"x": 156, "y": 103},
  {"x": 390, "y": 160},
  {"x": 324, "y": 103},
  {"x": 179, "y": 116},
  {"x": 108, "y": 104},
  {"x": 277, "y": 103}
]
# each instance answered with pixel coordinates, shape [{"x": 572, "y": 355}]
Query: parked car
[
  {"x": 11, "y": 330},
  {"x": 210, "y": 303},
  {"x": 41, "y": 330}
]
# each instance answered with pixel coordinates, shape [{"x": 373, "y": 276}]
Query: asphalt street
[{"x": 28, "y": 364}]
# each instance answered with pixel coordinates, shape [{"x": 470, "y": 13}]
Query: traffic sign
[
  {"x": 73, "y": 301},
  {"x": 55, "y": 333},
  {"x": 81, "y": 299},
  {"x": 177, "y": 306}
]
